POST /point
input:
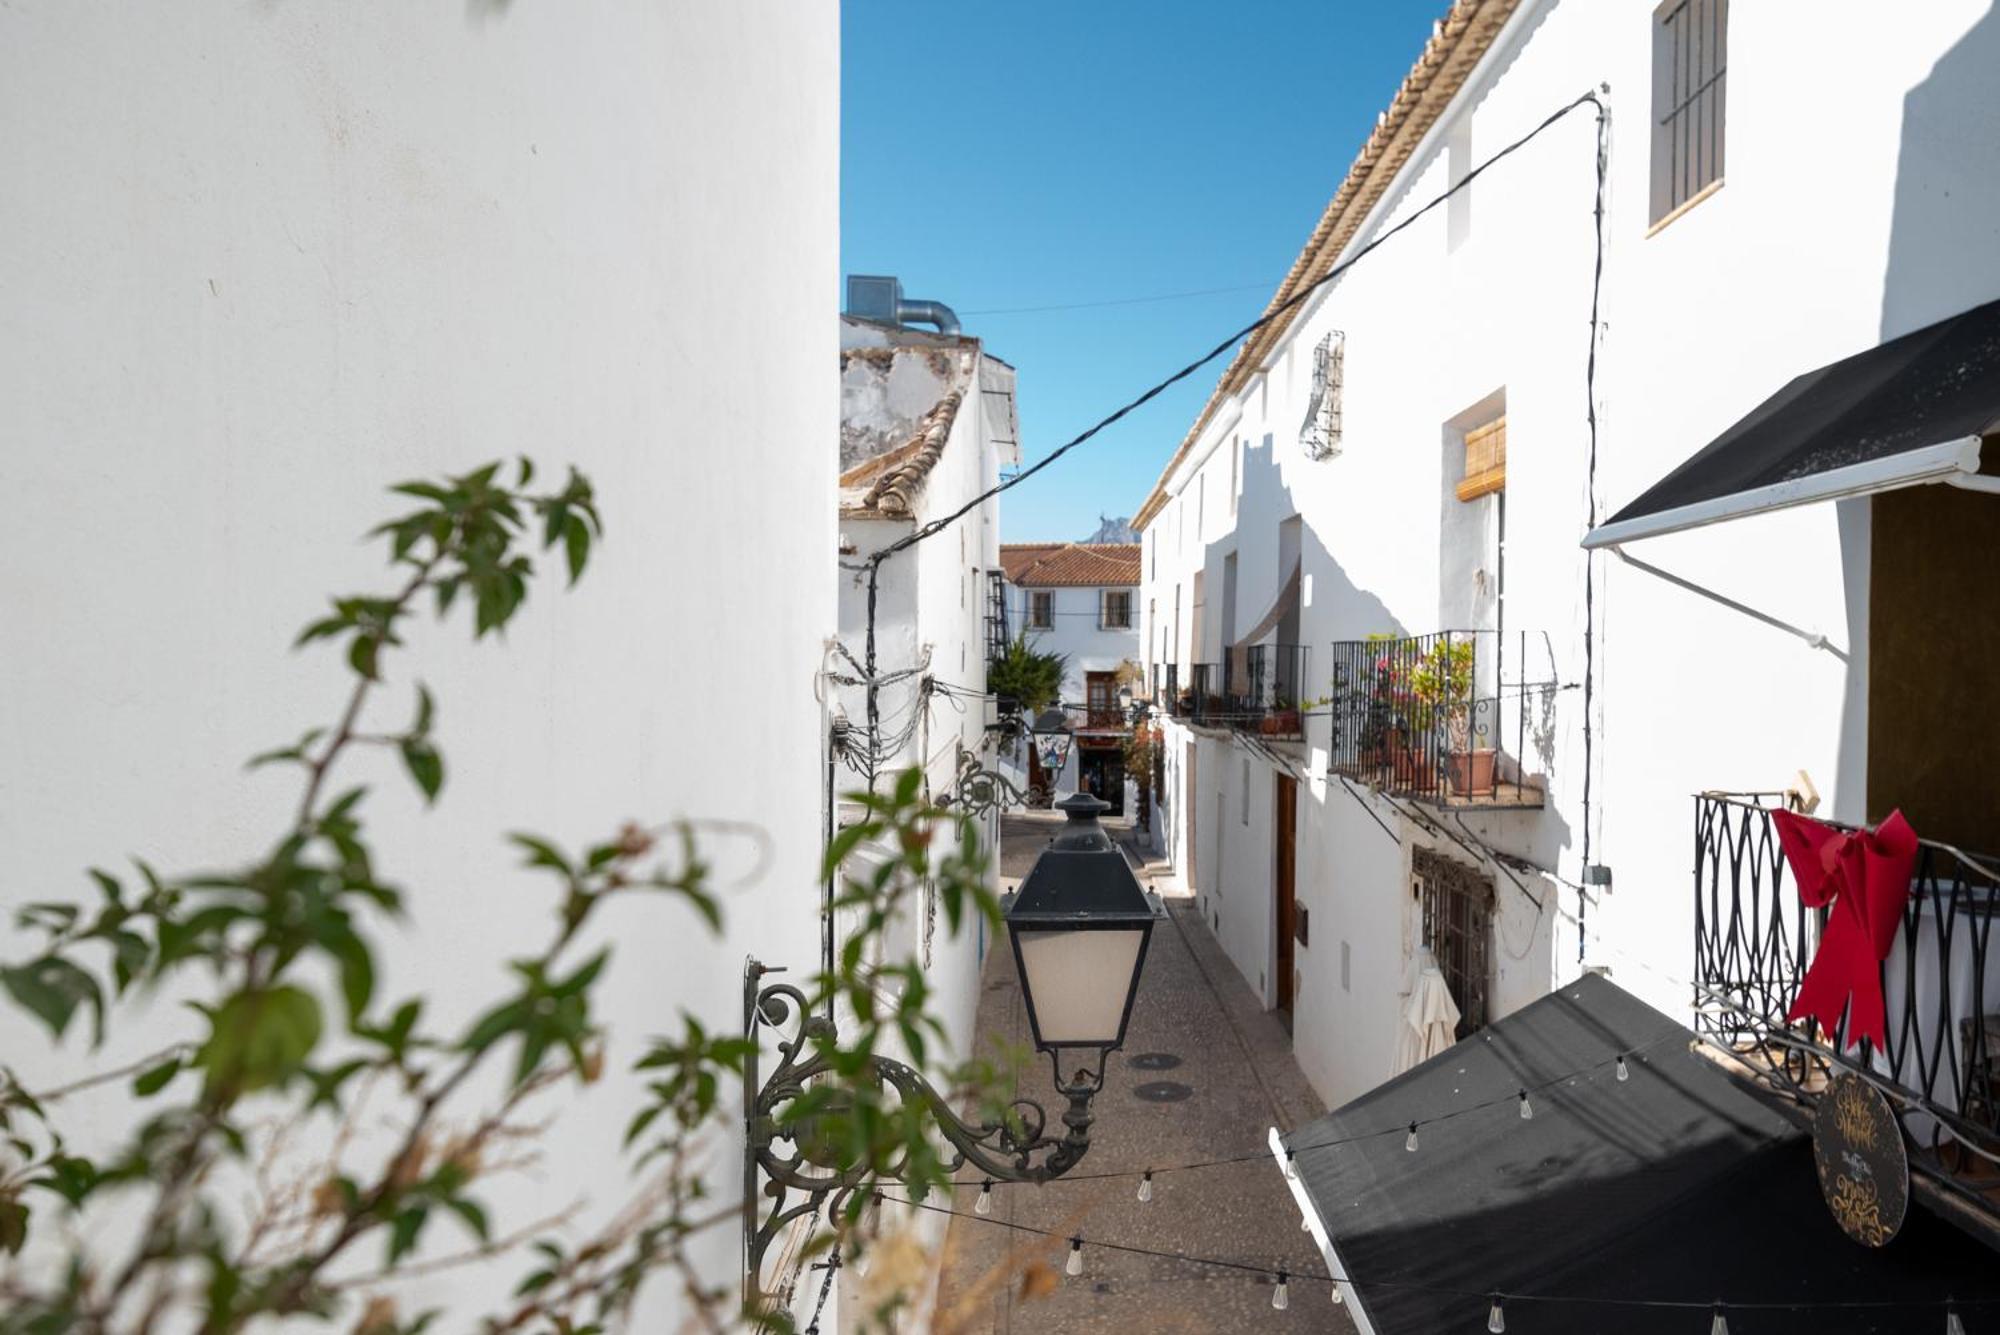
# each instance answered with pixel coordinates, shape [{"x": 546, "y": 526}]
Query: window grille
[
  {"x": 1115, "y": 611},
  {"x": 1458, "y": 927},
  {"x": 1320, "y": 435},
  {"x": 1690, "y": 50},
  {"x": 1041, "y": 611}
]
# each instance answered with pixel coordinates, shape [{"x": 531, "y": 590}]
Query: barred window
[
  {"x": 1115, "y": 610},
  {"x": 1320, "y": 434},
  {"x": 1458, "y": 927},
  {"x": 1041, "y": 610},
  {"x": 1690, "y": 50}
]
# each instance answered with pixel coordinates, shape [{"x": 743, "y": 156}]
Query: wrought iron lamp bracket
[
  {"x": 802, "y": 1177},
  {"x": 978, "y": 791}
]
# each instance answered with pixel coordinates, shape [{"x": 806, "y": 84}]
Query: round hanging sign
[{"x": 1864, "y": 1171}]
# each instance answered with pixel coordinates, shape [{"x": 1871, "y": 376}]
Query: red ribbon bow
[{"x": 1865, "y": 876}]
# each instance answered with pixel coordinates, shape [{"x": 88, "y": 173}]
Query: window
[
  {"x": 1457, "y": 902},
  {"x": 1690, "y": 47},
  {"x": 1041, "y": 610},
  {"x": 1485, "y": 460},
  {"x": 1319, "y": 435},
  {"x": 1114, "y": 609}
]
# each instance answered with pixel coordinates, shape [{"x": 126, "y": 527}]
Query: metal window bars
[
  {"x": 1457, "y": 718},
  {"x": 1320, "y": 433},
  {"x": 1940, "y": 1063}
]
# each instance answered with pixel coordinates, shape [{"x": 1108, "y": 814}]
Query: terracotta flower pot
[{"x": 1472, "y": 771}]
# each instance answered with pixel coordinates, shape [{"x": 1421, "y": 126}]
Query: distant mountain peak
[{"x": 1113, "y": 530}]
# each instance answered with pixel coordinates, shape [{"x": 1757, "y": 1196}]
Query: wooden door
[
  {"x": 1100, "y": 691},
  {"x": 1285, "y": 840}
]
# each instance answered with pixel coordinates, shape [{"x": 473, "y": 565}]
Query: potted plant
[{"x": 1442, "y": 684}]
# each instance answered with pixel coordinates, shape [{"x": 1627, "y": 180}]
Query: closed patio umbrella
[{"x": 1430, "y": 1017}]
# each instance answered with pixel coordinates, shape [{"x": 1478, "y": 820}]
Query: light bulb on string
[
  {"x": 1410, "y": 1141},
  {"x": 1074, "y": 1265},
  {"x": 1719, "y": 1324},
  {"x": 1624, "y": 1071},
  {"x": 984, "y": 1205},
  {"x": 1952, "y": 1325},
  {"x": 1305, "y": 1224},
  {"x": 1146, "y": 1186},
  {"x": 1527, "y": 1108},
  {"x": 1338, "y": 1297},
  {"x": 1291, "y": 1166},
  {"x": 1496, "y": 1316},
  {"x": 1281, "y": 1296}
]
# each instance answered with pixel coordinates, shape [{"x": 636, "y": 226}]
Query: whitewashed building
[
  {"x": 263, "y": 262},
  {"x": 1080, "y": 600},
  {"x": 1422, "y": 444},
  {"x": 927, "y": 423}
]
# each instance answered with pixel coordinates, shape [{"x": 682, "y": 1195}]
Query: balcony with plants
[
  {"x": 1268, "y": 698},
  {"x": 1458, "y": 718}
]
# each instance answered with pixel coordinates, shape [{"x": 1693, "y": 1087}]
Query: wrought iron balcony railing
[
  {"x": 1940, "y": 1061},
  {"x": 1206, "y": 700},
  {"x": 1272, "y": 696},
  {"x": 1463, "y": 718}
]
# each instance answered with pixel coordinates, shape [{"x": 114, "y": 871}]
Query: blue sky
[{"x": 1056, "y": 152}]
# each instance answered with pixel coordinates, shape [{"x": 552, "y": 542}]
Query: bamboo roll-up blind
[{"x": 1485, "y": 460}]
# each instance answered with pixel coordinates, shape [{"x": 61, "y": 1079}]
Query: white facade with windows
[
  {"x": 1080, "y": 600},
  {"x": 1448, "y": 482}
]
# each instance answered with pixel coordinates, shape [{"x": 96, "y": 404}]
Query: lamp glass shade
[{"x": 1082, "y": 982}]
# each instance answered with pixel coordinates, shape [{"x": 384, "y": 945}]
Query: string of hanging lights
[{"x": 1280, "y": 1277}]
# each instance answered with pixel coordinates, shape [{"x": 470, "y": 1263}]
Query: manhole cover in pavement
[
  {"x": 1163, "y": 1091},
  {"x": 1156, "y": 1061}
]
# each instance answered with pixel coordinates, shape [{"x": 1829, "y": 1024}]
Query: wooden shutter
[{"x": 1485, "y": 460}]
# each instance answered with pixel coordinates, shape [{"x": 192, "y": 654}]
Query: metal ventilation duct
[{"x": 880, "y": 298}]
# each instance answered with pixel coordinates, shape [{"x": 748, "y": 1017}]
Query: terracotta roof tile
[
  {"x": 1070, "y": 564},
  {"x": 895, "y": 477}
]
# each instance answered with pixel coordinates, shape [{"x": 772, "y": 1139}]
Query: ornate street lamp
[
  {"x": 1052, "y": 737},
  {"x": 1080, "y": 925}
]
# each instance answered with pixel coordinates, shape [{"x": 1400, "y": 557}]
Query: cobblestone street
[{"x": 1204, "y": 1074}]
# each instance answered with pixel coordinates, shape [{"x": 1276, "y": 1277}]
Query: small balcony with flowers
[{"x": 1460, "y": 718}]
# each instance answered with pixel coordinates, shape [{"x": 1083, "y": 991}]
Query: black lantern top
[{"x": 1081, "y": 879}]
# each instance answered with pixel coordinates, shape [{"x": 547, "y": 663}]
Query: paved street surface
[{"x": 1199, "y": 1038}]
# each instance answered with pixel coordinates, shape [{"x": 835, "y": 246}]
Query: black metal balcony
[
  {"x": 1206, "y": 700},
  {"x": 1460, "y": 718},
  {"x": 1271, "y": 697},
  {"x": 1940, "y": 1062}
]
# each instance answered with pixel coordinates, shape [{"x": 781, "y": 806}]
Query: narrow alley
[{"x": 1204, "y": 1074}]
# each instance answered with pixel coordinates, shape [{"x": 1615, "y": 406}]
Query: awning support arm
[{"x": 1813, "y": 638}]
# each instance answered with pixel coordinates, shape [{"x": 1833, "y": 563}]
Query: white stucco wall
[
  {"x": 263, "y": 261},
  {"x": 1881, "y": 218}
]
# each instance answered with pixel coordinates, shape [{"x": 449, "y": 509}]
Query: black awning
[
  {"x": 1676, "y": 1185},
  {"x": 1910, "y": 410}
]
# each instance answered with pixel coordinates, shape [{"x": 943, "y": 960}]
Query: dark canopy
[
  {"x": 1676, "y": 1185},
  {"x": 1930, "y": 388}
]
